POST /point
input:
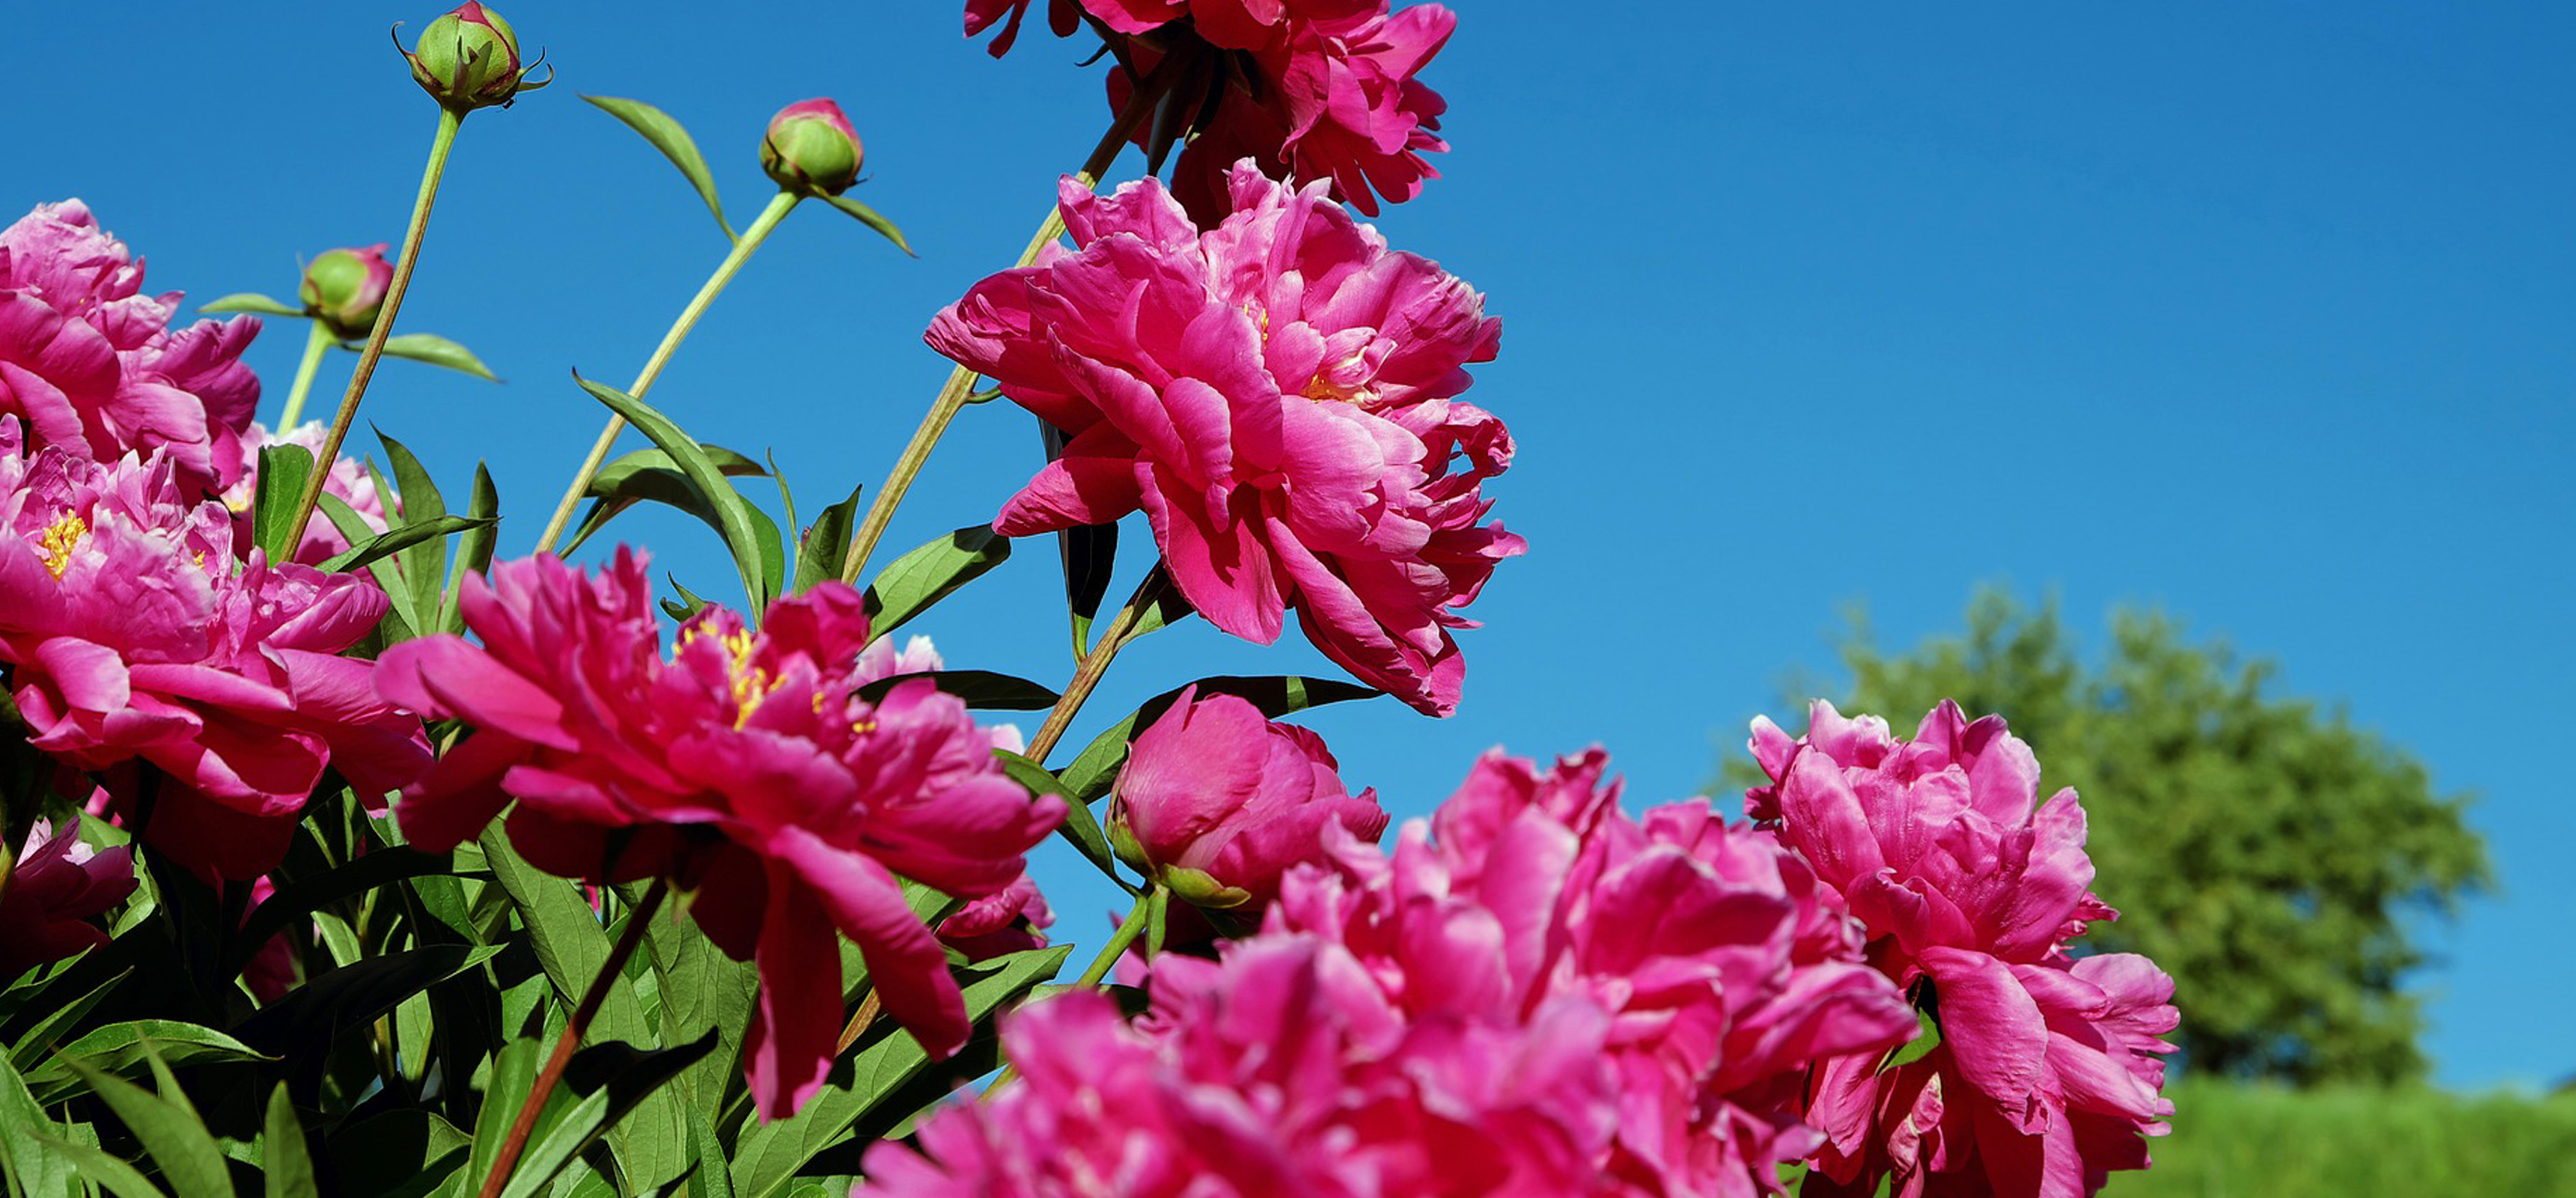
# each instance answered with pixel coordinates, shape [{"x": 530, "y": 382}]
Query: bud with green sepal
[
  {"x": 810, "y": 147},
  {"x": 345, "y": 289},
  {"x": 469, "y": 59}
]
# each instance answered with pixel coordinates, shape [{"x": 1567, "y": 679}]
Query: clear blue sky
[{"x": 2259, "y": 312}]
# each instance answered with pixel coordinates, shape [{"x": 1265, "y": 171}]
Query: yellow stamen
[{"x": 61, "y": 537}]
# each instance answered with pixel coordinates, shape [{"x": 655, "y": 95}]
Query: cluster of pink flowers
[
  {"x": 90, "y": 364},
  {"x": 2048, "y": 1072},
  {"x": 1278, "y": 394},
  {"x": 742, "y": 766},
  {"x": 134, "y": 638},
  {"x": 1318, "y": 90}
]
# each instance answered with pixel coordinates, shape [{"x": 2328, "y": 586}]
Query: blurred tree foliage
[{"x": 2263, "y": 851}]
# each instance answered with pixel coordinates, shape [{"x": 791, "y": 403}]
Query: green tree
[{"x": 2261, "y": 849}]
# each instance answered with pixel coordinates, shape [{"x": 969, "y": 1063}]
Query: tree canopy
[{"x": 2264, "y": 851}]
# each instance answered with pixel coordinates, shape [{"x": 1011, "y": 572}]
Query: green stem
[
  {"x": 1095, "y": 664},
  {"x": 449, "y": 120},
  {"x": 611, "y": 971},
  {"x": 315, "y": 343},
  {"x": 961, "y": 381},
  {"x": 779, "y": 206}
]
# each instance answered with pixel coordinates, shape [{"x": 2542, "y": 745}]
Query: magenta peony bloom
[
  {"x": 1277, "y": 394},
  {"x": 1217, "y": 803},
  {"x": 1285, "y": 1069},
  {"x": 91, "y": 364},
  {"x": 348, "y": 481},
  {"x": 740, "y": 766},
  {"x": 1064, "y": 16},
  {"x": 2047, "y": 1075},
  {"x": 1724, "y": 968},
  {"x": 59, "y": 885},
  {"x": 1011, "y": 920},
  {"x": 132, "y": 640}
]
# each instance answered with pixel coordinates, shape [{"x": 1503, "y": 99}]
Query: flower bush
[{"x": 346, "y": 851}]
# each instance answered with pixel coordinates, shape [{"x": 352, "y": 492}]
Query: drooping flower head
[
  {"x": 1278, "y": 394},
  {"x": 90, "y": 364},
  {"x": 1218, "y": 803},
  {"x": 1316, "y": 90},
  {"x": 2047, "y": 1075},
  {"x": 741, "y": 766},
  {"x": 132, "y": 639},
  {"x": 348, "y": 482},
  {"x": 59, "y": 884}
]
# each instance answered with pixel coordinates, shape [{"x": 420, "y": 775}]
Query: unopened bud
[
  {"x": 811, "y": 147},
  {"x": 469, "y": 59},
  {"x": 345, "y": 289}
]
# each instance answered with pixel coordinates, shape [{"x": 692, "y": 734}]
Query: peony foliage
[{"x": 346, "y": 854}]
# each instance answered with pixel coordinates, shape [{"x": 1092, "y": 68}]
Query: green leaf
[
  {"x": 283, "y": 1157},
  {"x": 650, "y": 476},
  {"x": 30, "y": 1049},
  {"x": 355, "y": 529},
  {"x": 424, "y": 565},
  {"x": 438, "y": 351},
  {"x": 512, "y": 1077},
  {"x": 123, "y": 1048},
  {"x": 869, "y": 217},
  {"x": 1093, "y": 770},
  {"x": 570, "y": 944},
  {"x": 170, "y": 1131},
  {"x": 701, "y": 989},
  {"x": 474, "y": 549},
  {"x": 687, "y": 606},
  {"x": 612, "y": 1079},
  {"x": 308, "y": 1017},
  {"x": 91, "y": 1164},
  {"x": 981, "y": 689},
  {"x": 675, "y": 144},
  {"x": 1927, "y": 1036},
  {"x": 33, "y": 1168},
  {"x": 931, "y": 573},
  {"x": 250, "y": 301},
  {"x": 283, "y": 470},
  {"x": 1079, "y": 826},
  {"x": 768, "y": 1157},
  {"x": 303, "y": 897},
  {"x": 748, "y": 534},
  {"x": 825, "y": 544},
  {"x": 386, "y": 544}
]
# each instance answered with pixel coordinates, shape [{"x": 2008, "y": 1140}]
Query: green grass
[{"x": 2259, "y": 1142}]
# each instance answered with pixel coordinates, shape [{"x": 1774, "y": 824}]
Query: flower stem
[
  {"x": 961, "y": 381},
  {"x": 449, "y": 120},
  {"x": 1122, "y": 629},
  {"x": 314, "y": 344},
  {"x": 779, "y": 206},
  {"x": 610, "y": 972}
]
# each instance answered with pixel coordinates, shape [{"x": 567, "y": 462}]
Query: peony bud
[
  {"x": 810, "y": 146},
  {"x": 345, "y": 289},
  {"x": 469, "y": 59},
  {"x": 1217, "y": 803}
]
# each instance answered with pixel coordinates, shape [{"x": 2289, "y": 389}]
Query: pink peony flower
[
  {"x": 1287, "y": 1068},
  {"x": 133, "y": 642},
  {"x": 1217, "y": 803},
  {"x": 1013, "y": 919},
  {"x": 348, "y": 481},
  {"x": 58, "y": 886},
  {"x": 271, "y": 971},
  {"x": 91, "y": 364},
  {"x": 1724, "y": 968},
  {"x": 740, "y": 766},
  {"x": 2047, "y": 1075},
  {"x": 1277, "y": 394},
  {"x": 1064, "y": 16}
]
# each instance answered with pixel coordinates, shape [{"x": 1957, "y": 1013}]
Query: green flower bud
[
  {"x": 345, "y": 289},
  {"x": 469, "y": 59},
  {"x": 811, "y": 147}
]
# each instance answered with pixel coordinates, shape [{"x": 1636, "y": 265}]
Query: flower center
[{"x": 61, "y": 537}]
